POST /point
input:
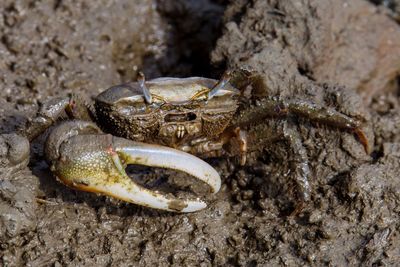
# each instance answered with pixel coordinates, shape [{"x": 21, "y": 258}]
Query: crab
[{"x": 170, "y": 123}]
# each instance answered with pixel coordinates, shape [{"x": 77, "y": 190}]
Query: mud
[{"x": 341, "y": 54}]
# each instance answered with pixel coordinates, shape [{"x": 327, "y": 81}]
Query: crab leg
[
  {"x": 51, "y": 111},
  {"x": 273, "y": 107},
  {"x": 96, "y": 163}
]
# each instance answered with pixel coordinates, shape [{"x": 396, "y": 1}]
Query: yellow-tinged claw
[{"x": 90, "y": 163}]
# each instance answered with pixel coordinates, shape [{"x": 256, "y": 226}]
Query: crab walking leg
[
  {"x": 300, "y": 161},
  {"x": 274, "y": 107},
  {"x": 299, "y": 167},
  {"x": 96, "y": 163},
  {"x": 51, "y": 111}
]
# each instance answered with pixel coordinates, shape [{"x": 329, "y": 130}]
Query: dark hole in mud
[
  {"x": 391, "y": 4},
  {"x": 305, "y": 72},
  {"x": 376, "y": 155},
  {"x": 194, "y": 30},
  {"x": 398, "y": 86}
]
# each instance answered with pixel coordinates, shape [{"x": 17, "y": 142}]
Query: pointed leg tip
[{"x": 362, "y": 137}]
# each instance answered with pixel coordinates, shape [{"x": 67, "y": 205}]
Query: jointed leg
[
  {"x": 328, "y": 116},
  {"x": 17, "y": 152},
  {"x": 262, "y": 135},
  {"x": 300, "y": 164},
  {"x": 274, "y": 107},
  {"x": 51, "y": 111}
]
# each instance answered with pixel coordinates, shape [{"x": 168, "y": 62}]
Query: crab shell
[{"x": 181, "y": 110}]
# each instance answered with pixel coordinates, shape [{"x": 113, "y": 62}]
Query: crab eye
[
  {"x": 142, "y": 84},
  {"x": 220, "y": 84}
]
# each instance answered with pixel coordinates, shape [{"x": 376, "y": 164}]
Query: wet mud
[{"x": 339, "y": 54}]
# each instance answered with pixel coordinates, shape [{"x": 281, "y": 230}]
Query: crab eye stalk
[
  {"x": 220, "y": 84},
  {"x": 142, "y": 84}
]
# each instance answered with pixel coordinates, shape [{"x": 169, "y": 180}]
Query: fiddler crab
[{"x": 169, "y": 123}]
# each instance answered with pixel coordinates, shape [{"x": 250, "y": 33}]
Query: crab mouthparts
[{"x": 180, "y": 117}]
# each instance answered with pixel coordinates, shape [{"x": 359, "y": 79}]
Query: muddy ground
[{"x": 341, "y": 54}]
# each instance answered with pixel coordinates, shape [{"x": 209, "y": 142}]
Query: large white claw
[
  {"x": 165, "y": 157},
  {"x": 96, "y": 163}
]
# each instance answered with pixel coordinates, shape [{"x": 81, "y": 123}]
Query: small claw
[{"x": 98, "y": 166}]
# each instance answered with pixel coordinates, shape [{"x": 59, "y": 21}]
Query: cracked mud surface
[{"x": 344, "y": 55}]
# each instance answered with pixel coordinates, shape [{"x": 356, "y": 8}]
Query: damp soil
[{"x": 339, "y": 54}]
